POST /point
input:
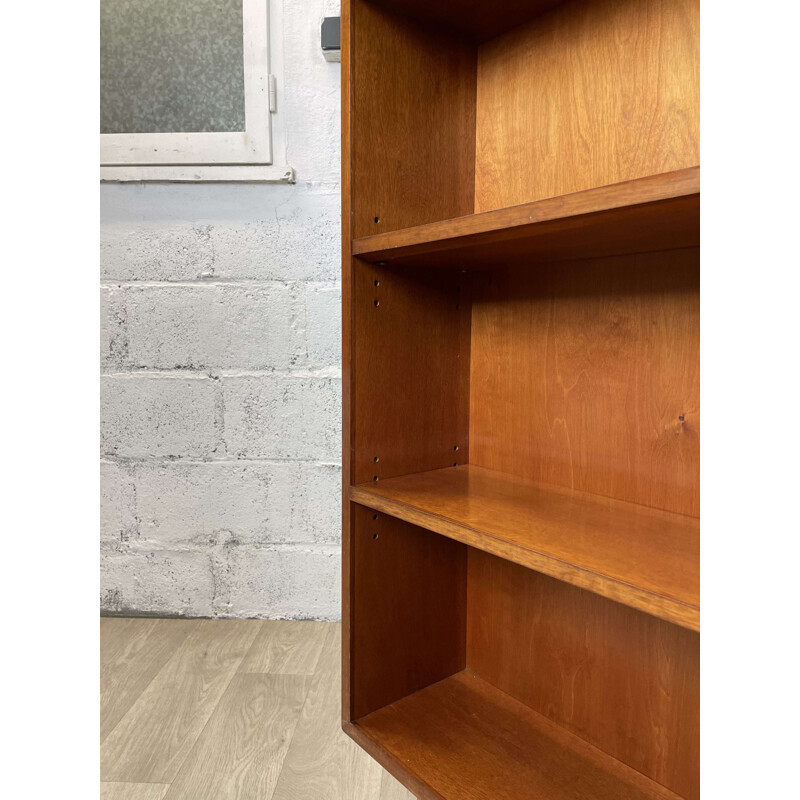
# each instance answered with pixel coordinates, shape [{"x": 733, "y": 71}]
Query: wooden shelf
[
  {"x": 642, "y": 557},
  {"x": 466, "y": 740},
  {"x": 652, "y": 213}
]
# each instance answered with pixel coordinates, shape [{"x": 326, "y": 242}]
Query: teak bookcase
[{"x": 521, "y": 395}]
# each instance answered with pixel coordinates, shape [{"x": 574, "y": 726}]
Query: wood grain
[
  {"x": 466, "y": 740},
  {"x": 152, "y": 740},
  {"x": 322, "y": 762},
  {"x": 284, "y": 647},
  {"x": 240, "y": 752},
  {"x": 592, "y": 93},
  {"x": 412, "y": 126},
  {"x": 132, "y": 651},
  {"x": 638, "y": 556},
  {"x": 622, "y": 680},
  {"x": 409, "y": 612},
  {"x": 133, "y": 791},
  {"x": 411, "y": 392},
  {"x": 587, "y": 375},
  {"x": 651, "y": 213}
]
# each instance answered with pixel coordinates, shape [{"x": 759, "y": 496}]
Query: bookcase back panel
[
  {"x": 591, "y": 93},
  {"x": 620, "y": 679},
  {"x": 412, "y": 123},
  {"x": 408, "y": 609},
  {"x": 411, "y": 371},
  {"x": 585, "y": 374}
]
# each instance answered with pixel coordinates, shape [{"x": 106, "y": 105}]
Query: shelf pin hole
[
  {"x": 455, "y": 447},
  {"x": 375, "y": 478},
  {"x": 377, "y": 220},
  {"x": 374, "y": 516},
  {"x": 376, "y": 302},
  {"x": 377, "y": 283},
  {"x": 376, "y": 459},
  {"x": 374, "y": 535}
]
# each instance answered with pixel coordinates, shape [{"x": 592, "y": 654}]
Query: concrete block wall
[{"x": 221, "y": 376}]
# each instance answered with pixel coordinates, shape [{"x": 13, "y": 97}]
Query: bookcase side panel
[
  {"x": 413, "y": 122},
  {"x": 411, "y": 371},
  {"x": 409, "y": 609}
]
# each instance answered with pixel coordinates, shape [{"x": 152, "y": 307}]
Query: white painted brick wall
[
  {"x": 221, "y": 376},
  {"x": 249, "y": 326},
  {"x": 150, "y": 414},
  {"x": 283, "y": 416}
]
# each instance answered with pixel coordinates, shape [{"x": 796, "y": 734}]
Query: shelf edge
[
  {"x": 399, "y": 771},
  {"x": 637, "y": 192},
  {"x": 661, "y": 606}
]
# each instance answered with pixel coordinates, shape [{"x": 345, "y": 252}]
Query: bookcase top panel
[{"x": 476, "y": 20}]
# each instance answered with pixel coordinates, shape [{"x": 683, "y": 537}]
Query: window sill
[{"x": 200, "y": 174}]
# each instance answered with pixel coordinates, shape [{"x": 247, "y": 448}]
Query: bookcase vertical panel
[
  {"x": 413, "y": 126},
  {"x": 591, "y": 93},
  {"x": 411, "y": 371},
  {"x": 409, "y": 609}
]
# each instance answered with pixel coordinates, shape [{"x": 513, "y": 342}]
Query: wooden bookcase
[{"x": 521, "y": 395}]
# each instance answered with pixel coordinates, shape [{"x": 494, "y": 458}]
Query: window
[{"x": 186, "y": 91}]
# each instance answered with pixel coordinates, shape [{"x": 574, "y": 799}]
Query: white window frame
[{"x": 216, "y": 156}]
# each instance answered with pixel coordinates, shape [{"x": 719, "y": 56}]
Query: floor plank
[
  {"x": 240, "y": 753},
  {"x": 151, "y": 742},
  {"x": 322, "y": 762},
  {"x": 284, "y": 647},
  {"x": 133, "y": 791},
  {"x": 392, "y": 789},
  {"x": 132, "y": 651},
  {"x": 116, "y": 632}
]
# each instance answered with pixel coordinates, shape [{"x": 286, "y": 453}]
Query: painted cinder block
[
  {"x": 218, "y": 326},
  {"x": 113, "y": 329},
  {"x": 118, "y": 523},
  {"x": 323, "y": 324},
  {"x": 280, "y": 583},
  {"x": 155, "y": 251},
  {"x": 151, "y": 414},
  {"x": 170, "y": 582},
  {"x": 255, "y": 503},
  {"x": 288, "y": 233},
  {"x": 275, "y": 416}
]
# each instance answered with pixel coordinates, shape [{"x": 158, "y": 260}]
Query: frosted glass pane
[{"x": 171, "y": 66}]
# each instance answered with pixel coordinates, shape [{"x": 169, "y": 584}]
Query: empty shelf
[
  {"x": 643, "y": 557},
  {"x": 467, "y": 740},
  {"x": 652, "y": 213}
]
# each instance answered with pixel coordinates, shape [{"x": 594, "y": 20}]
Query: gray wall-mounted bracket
[{"x": 331, "y": 39}]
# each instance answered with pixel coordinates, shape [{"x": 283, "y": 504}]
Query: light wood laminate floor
[{"x": 228, "y": 710}]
